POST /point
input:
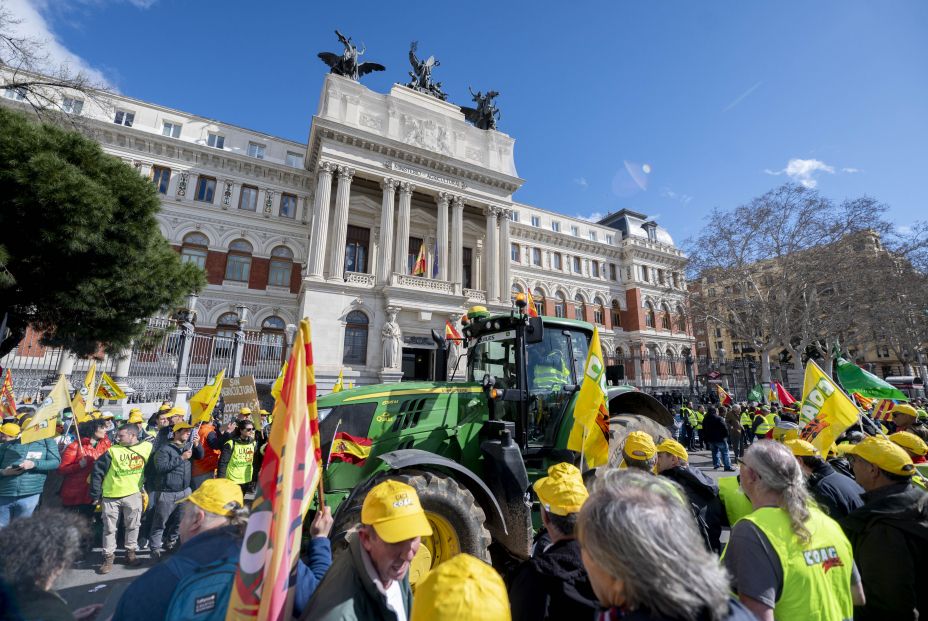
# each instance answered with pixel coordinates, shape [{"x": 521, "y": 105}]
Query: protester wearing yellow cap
[
  {"x": 462, "y": 589},
  {"x": 913, "y": 445},
  {"x": 217, "y": 496},
  {"x": 904, "y": 416},
  {"x": 371, "y": 579},
  {"x": 135, "y": 417},
  {"x": 889, "y": 532},
  {"x": 553, "y": 584},
  {"x": 836, "y": 492},
  {"x": 9, "y": 431},
  {"x": 638, "y": 451}
]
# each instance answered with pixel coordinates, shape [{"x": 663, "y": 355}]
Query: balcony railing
[
  {"x": 359, "y": 278},
  {"x": 426, "y": 284}
]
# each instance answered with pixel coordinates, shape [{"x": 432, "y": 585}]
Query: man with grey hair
[
  {"x": 642, "y": 552},
  {"x": 788, "y": 559}
]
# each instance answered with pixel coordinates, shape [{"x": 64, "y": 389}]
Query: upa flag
[
  {"x": 825, "y": 407},
  {"x": 108, "y": 389},
  {"x": 44, "y": 423},
  {"x": 421, "y": 264},
  {"x": 590, "y": 432},
  {"x": 340, "y": 382},
  {"x": 288, "y": 478},
  {"x": 451, "y": 333},
  {"x": 530, "y": 307},
  {"x": 204, "y": 401},
  {"x": 724, "y": 397},
  {"x": 7, "y": 398},
  {"x": 84, "y": 395},
  {"x": 349, "y": 448}
]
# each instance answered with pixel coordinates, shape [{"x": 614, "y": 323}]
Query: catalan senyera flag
[
  {"x": 530, "y": 307},
  {"x": 827, "y": 409},
  {"x": 883, "y": 409},
  {"x": 204, "y": 401},
  {"x": 451, "y": 333},
  {"x": 7, "y": 398},
  {"x": 421, "y": 265},
  {"x": 724, "y": 397},
  {"x": 349, "y": 448},
  {"x": 286, "y": 484},
  {"x": 590, "y": 432},
  {"x": 340, "y": 382},
  {"x": 108, "y": 389},
  {"x": 84, "y": 396},
  {"x": 44, "y": 423}
]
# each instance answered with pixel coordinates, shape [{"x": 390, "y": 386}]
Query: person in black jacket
[
  {"x": 701, "y": 491},
  {"x": 836, "y": 493},
  {"x": 553, "y": 584},
  {"x": 172, "y": 484},
  {"x": 715, "y": 434}
]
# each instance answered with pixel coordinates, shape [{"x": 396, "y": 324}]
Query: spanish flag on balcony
[
  {"x": 451, "y": 333},
  {"x": 349, "y": 448},
  {"x": 421, "y": 265}
]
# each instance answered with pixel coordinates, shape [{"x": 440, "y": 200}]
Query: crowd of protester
[{"x": 838, "y": 534}]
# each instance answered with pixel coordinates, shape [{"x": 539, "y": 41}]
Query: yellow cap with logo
[
  {"x": 639, "y": 445},
  {"x": 461, "y": 589},
  {"x": 884, "y": 454},
  {"x": 910, "y": 442},
  {"x": 802, "y": 448},
  {"x": 562, "y": 492},
  {"x": 393, "y": 509},
  {"x": 674, "y": 448},
  {"x": 10, "y": 429},
  {"x": 219, "y": 496},
  {"x": 177, "y": 412},
  {"x": 904, "y": 408}
]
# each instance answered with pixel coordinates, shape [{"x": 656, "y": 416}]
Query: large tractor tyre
[
  {"x": 622, "y": 425},
  {"x": 458, "y": 522}
]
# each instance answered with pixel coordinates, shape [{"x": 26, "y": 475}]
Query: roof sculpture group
[{"x": 484, "y": 115}]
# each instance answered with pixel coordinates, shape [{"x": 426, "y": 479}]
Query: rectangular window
[
  {"x": 575, "y": 231},
  {"x": 594, "y": 265},
  {"x": 593, "y": 236},
  {"x": 294, "y": 159},
  {"x": 413, "y": 253},
  {"x": 613, "y": 274},
  {"x": 555, "y": 226},
  {"x": 467, "y": 261},
  {"x": 217, "y": 141},
  {"x": 248, "y": 200},
  {"x": 171, "y": 129},
  {"x": 609, "y": 239},
  {"x": 644, "y": 273},
  {"x": 536, "y": 221},
  {"x": 124, "y": 117},
  {"x": 287, "y": 206},
  {"x": 256, "y": 150},
  {"x": 161, "y": 177},
  {"x": 16, "y": 94},
  {"x": 514, "y": 253},
  {"x": 357, "y": 245},
  {"x": 70, "y": 105},
  {"x": 556, "y": 261},
  {"x": 206, "y": 189},
  {"x": 238, "y": 267},
  {"x": 577, "y": 265},
  {"x": 536, "y": 256},
  {"x": 514, "y": 215}
]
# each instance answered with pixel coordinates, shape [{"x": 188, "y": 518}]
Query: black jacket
[
  {"x": 714, "y": 428},
  {"x": 836, "y": 493},
  {"x": 736, "y": 612},
  {"x": 703, "y": 494},
  {"x": 890, "y": 539},
  {"x": 553, "y": 585},
  {"x": 172, "y": 472}
]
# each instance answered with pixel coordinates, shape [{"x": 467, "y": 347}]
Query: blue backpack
[{"x": 202, "y": 593}]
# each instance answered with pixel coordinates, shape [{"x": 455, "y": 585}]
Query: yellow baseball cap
[
  {"x": 245, "y": 411},
  {"x": 910, "y": 442},
  {"x": 264, "y": 412},
  {"x": 904, "y": 408},
  {"x": 639, "y": 445},
  {"x": 165, "y": 406},
  {"x": 884, "y": 454},
  {"x": 562, "y": 492},
  {"x": 393, "y": 509},
  {"x": 674, "y": 448},
  {"x": 10, "y": 429},
  {"x": 219, "y": 496},
  {"x": 181, "y": 426},
  {"x": 177, "y": 412},
  {"x": 802, "y": 448},
  {"x": 136, "y": 418},
  {"x": 461, "y": 589}
]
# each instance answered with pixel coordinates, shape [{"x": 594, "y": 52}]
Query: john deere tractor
[{"x": 472, "y": 448}]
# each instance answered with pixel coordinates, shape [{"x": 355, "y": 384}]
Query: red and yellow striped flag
[
  {"x": 530, "y": 309},
  {"x": 286, "y": 485},
  {"x": 724, "y": 397},
  {"x": 7, "y": 398},
  {"x": 883, "y": 409}
]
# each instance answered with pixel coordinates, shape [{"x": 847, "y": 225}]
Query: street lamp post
[
  {"x": 238, "y": 350},
  {"x": 688, "y": 361}
]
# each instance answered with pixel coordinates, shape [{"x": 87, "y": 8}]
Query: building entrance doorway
[{"x": 417, "y": 364}]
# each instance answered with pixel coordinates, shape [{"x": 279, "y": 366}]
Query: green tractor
[{"x": 472, "y": 449}]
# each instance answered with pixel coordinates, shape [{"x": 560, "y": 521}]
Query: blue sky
[{"x": 669, "y": 108}]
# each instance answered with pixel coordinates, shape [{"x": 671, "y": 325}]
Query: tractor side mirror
[{"x": 534, "y": 331}]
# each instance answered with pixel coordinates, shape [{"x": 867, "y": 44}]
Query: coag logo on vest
[
  {"x": 130, "y": 461},
  {"x": 826, "y": 557}
]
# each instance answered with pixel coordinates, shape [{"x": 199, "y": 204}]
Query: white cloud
[
  {"x": 596, "y": 216},
  {"x": 850, "y": 171},
  {"x": 737, "y": 100},
  {"x": 582, "y": 182},
  {"x": 803, "y": 171},
  {"x": 683, "y": 198}
]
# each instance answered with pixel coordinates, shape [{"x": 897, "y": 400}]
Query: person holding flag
[
  {"x": 236, "y": 461},
  {"x": 172, "y": 474},
  {"x": 202, "y": 405},
  {"x": 77, "y": 462},
  {"x": 23, "y": 470},
  {"x": 826, "y": 410}
]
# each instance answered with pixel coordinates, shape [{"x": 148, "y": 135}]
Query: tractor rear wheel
[{"x": 622, "y": 425}]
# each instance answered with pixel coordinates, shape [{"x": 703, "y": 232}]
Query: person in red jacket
[
  {"x": 211, "y": 439},
  {"x": 77, "y": 462}
]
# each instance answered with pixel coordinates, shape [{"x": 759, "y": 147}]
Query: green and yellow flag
[
  {"x": 44, "y": 422},
  {"x": 108, "y": 389},
  {"x": 204, "y": 401},
  {"x": 84, "y": 395},
  {"x": 826, "y": 410},
  {"x": 590, "y": 432}
]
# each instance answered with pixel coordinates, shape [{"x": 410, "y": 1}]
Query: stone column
[
  {"x": 442, "y": 235},
  {"x": 320, "y": 220},
  {"x": 340, "y": 225},
  {"x": 385, "y": 249},
  {"x": 492, "y": 256},
  {"x": 402, "y": 229},
  {"x": 123, "y": 363},
  {"x": 505, "y": 254},
  {"x": 457, "y": 243}
]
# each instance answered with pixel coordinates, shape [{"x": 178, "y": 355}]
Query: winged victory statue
[
  {"x": 485, "y": 115},
  {"x": 421, "y": 74},
  {"x": 347, "y": 64}
]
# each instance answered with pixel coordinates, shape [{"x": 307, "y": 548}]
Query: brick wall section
[
  {"x": 633, "y": 318},
  {"x": 215, "y": 267},
  {"x": 259, "y": 271},
  {"x": 588, "y": 312},
  {"x": 296, "y": 277},
  {"x": 549, "y": 307}
]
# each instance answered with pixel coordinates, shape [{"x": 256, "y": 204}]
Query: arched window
[
  {"x": 648, "y": 315},
  {"x": 281, "y": 266},
  {"x": 579, "y": 308},
  {"x": 681, "y": 319},
  {"x": 671, "y": 362},
  {"x": 665, "y": 317},
  {"x": 616, "y": 314},
  {"x": 560, "y": 305},
  {"x": 599, "y": 311},
  {"x": 356, "y": 329},
  {"x": 539, "y": 296},
  {"x": 516, "y": 290},
  {"x": 194, "y": 249},
  {"x": 238, "y": 261}
]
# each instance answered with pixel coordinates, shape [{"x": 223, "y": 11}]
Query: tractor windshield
[{"x": 555, "y": 362}]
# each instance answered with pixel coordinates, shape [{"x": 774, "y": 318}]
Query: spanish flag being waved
[
  {"x": 108, "y": 389},
  {"x": 421, "y": 265},
  {"x": 204, "y": 401},
  {"x": 85, "y": 394},
  {"x": 530, "y": 307},
  {"x": 349, "y": 448},
  {"x": 590, "y": 432},
  {"x": 7, "y": 398},
  {"x": 827, "y": 411},
  {"x": 724, "y": 397},
  {"x": 286, "y": 485},
  {"x": 451, "y": 333}
]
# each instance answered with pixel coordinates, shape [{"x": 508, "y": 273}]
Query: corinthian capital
[
  {"x": 504, "y": 213},
  {"x": 457, "y": 201},
  {"x": 388, "y": 184},
  {"x": 445, "y": 197},
  {"x": 345, "y": 173},
  {"x": 326, "y": 167},
  {"x": 492, "y": 211},
  {"x": 407, "y": 188}
]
